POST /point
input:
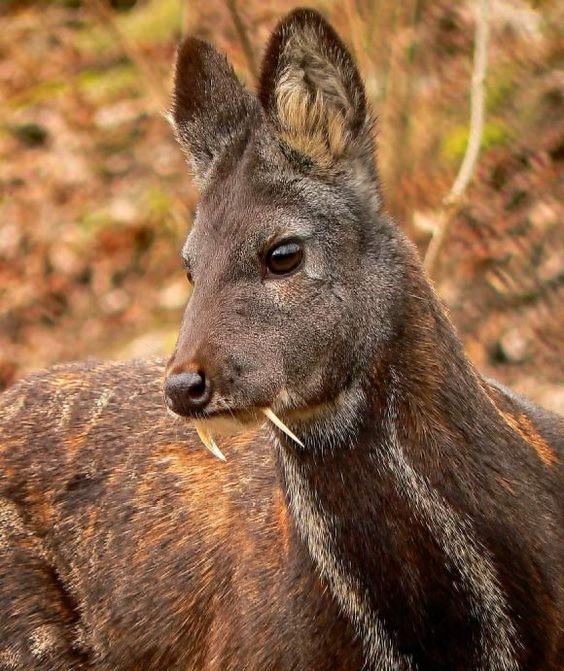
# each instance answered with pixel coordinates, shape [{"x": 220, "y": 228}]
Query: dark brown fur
[
  {"x": 138, "y": 550},
  {"x": 420, "y": 526}
]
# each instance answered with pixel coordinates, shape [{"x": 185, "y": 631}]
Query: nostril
[
  {"x": 197, "y": 387},
  {"x": 187, "y": 391}
]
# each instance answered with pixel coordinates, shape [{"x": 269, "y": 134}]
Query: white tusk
[
  {"x": 280, "y": 424},
  {"x": 209, "y": 442}
]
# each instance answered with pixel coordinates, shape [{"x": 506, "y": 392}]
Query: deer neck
[{"x": 367, "y": 492}]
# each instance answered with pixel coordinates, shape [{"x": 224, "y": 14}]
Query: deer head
[{"x": 294, "y": 266}]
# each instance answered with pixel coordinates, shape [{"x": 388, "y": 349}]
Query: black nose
[{"x": 187, "y": 392}]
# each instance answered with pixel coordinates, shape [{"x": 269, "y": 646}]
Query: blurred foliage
[
  {"x": 153, "y": 22},
  {"x": 454, "y": 143},
  {"x": 95, "y": 198}
]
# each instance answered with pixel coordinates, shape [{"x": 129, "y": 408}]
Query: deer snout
[{"x": 188, "y": 391}]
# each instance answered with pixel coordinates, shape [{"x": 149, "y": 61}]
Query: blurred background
[{"x": 95, "y": 198}]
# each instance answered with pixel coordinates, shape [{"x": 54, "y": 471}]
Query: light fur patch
[
  {"x": 309, "y": 126},
  {"x": 66, "y": 408},
  {"x": 315, "y": 528},
  {"x": 74, "y": 442},
  {"x": 11, "y": 523},
  {"x": 314, "y": 124},
  {"x": 11, "y": 411},
  {"x": 10, "y": 659},
  {"x": 523, "y": 426},
  {"x": 472, "y": 561},
  {"x": 100, "y": 404},
  {"x": 282, "y": 521},
  {"x": 43, "y": 639},
  {"x": 68, "y": 389}
]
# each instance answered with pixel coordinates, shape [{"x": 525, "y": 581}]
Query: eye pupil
[{"x": 284, "y": 258}]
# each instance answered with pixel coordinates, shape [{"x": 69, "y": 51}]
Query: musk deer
[{"x": 415, "y": 522}]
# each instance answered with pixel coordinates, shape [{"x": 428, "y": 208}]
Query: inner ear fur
[
  {"x": 212, "y": 112},
  {"x": 313, "y": 92}
]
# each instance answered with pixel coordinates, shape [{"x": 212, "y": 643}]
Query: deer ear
[
  {"x": 312, "y": 90},
  {"x": 211, "y": 112}
]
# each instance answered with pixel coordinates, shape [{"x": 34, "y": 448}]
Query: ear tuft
[
  {"x": 311, "y": 89},
  {"x": 211, "y": 110}
]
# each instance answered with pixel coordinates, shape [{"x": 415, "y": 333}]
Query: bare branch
[
  {"x": 152, "y": 78},
  {"x": 243, "y": 37},
  {"x": 468, "y": 166},
  {"x": 150, "y": 73}
]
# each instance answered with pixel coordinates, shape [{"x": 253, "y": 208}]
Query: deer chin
[
  {"x": 311, "y": 422},
  {"x": 228, "y": 423}
]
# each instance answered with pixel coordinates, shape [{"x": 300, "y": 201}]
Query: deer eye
[
  {"x": 285, "y": 257},
  {"x": 187, "y": 270}
]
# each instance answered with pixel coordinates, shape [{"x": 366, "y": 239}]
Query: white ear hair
[{"x": 313, "y": 92}]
